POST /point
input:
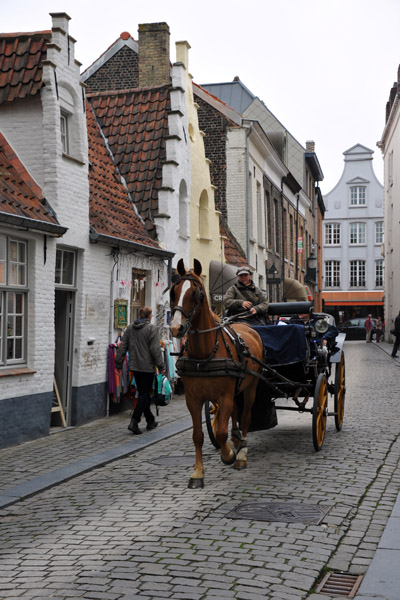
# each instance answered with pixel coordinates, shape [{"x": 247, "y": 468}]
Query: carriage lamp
[{"x": 321, "y": 326}]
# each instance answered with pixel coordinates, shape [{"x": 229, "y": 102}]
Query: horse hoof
[
  {"x": 240, "y": 464},
  {"x": 229, "y": 461},
  {"x": 195, "y": 484}
]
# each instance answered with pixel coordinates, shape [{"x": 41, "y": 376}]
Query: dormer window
[
  {"x": 64, "y": 132},
  {"x": 358, "y": 195}
]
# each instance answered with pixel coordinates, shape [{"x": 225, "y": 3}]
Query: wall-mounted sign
[
  {"x": 299, "y": 245},
  {"x": 120, "y": 313}
]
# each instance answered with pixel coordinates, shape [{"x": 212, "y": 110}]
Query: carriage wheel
[
  {"x": 340, "y": 392},
  {"x": 319, "y": 411},
  {"x": 211, "y": 411}
]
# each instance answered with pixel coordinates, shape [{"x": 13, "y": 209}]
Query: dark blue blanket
[{"x": 284, "y": 344}]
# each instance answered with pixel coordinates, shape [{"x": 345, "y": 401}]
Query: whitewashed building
[
  {"x": 353, "y": 272},
  {"x": 390, "y": 146}
]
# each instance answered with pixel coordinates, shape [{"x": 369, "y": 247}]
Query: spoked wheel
[
  {"x": 320, "y": 411},
  {"x": 211, "y": 411},
  {"x": 340, "y": 392}
]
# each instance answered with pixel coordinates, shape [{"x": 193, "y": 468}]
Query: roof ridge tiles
[{"x": 127, "y": 91}]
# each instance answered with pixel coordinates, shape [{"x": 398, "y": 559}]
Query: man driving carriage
[{"x": 244, "y": 296}]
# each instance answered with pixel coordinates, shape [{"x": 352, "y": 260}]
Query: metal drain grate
[
  {"x": 284, "y": 512},
  {"x": 339, "y": 584}
]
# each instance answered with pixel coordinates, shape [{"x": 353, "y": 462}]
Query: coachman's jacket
[{"x": 237, "y": 293}]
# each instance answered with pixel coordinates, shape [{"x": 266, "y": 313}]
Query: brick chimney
[
  {"x": 154, "y": 61},
  {"x": 310, "y": 146}
]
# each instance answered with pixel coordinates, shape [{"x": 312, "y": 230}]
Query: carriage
[
  {"x": 304, "y": 362},
  {"x": 237, "y": 372}
]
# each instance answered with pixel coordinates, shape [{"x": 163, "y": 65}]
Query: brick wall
[
  {"x": 120, "y": 72},
  {"x": 154, "y": 61}
]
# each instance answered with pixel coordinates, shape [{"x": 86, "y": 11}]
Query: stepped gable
[
  {"x": 21, "y": 64},
  {"x": 20, "y": 195},
  {"x": 135, "y": 125},
  {"x": 111, "y": 211}
]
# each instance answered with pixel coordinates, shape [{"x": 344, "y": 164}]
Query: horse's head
[{"x": 187, "y": 296}]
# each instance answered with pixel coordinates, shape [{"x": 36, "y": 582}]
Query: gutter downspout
[
  {"x": 110, "y": 322},
  {"x": 316, "y": 289},
  {"x": 297, "y": 238},
  {"x": 283, "y": 246},
  {"x": 247, "y": 195}
]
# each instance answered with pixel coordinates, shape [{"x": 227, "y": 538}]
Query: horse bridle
[{"x": 199, "y": 298}]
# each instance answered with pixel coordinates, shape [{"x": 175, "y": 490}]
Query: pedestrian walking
[
  {"x": 368, "y": 328},
  {"x": 379, "y": 329},
  {"x": 142, "y": 342},
  {"x": 396, "y": 334},
  {"x": 245, "y": 296}
]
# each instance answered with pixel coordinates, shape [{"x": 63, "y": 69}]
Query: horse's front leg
[
  {"x": 228, "y": 454},
  {"x": 195, "y": 408},
  {"x": 249, "y": 397},
  {"x": 236, "y": 434}
]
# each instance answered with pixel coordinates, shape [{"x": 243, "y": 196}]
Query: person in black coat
[
  {"x": 397, "y": 335},
  {"x": 143, "y": 344}
]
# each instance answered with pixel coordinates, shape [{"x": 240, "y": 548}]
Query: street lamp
[
  {"x": 272, "y": 275},
  {"x": 312, "y": 266}
]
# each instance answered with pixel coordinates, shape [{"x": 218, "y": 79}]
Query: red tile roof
[
  {"x": 233, "y": 253},
  {"x": 21, "y": 64},
  {"x": 111, "y": 211},
  {"x": 135, "y": 124},
  {"x": 20, "y": 195}
]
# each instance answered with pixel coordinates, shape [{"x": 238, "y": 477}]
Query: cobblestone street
[{"x": 132, "y": 529}]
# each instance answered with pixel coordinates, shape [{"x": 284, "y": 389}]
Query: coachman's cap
[{"x": 243, "y": 271}]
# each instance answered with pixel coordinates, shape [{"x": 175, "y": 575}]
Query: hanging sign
[{"x": 299, "y": 245}]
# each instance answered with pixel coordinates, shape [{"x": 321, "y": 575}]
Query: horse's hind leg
[
  {"x": 228, "y": 454},
  {"x": 197, "y": 478}
]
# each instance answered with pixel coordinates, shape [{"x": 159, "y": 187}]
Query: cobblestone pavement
[{"x": 131, "y": 529}]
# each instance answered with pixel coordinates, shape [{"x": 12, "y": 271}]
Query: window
[
  {"x": 291, "y": 238},
  {"x": 277, "y": 228},
  {"x": 64, "y": 132},
  {"x": 260, "y": 232},
  {"x": 379, "y": 273},
  {"x": 332, "y": 234},
  {"x": 379, "y": 232},
  {"x": 65, "y": 268},
  {"x": 332, "y": 273},
  {"x": 357, "y": 195},
  {"x": 357, "y": 273},
  {"x": 138, "y": 292},
  {"x": 203, "y": 216},
  {"x": 268, "y": 219},
  {"x": 13, "y": 293},
  {"x": 357, "y": 233}
]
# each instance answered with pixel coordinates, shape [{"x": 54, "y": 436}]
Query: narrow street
[{"x": 132, "y": 528}]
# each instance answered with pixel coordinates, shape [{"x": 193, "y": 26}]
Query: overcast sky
[{"x": 323, "y": 67}]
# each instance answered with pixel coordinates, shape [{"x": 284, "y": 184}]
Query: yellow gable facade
[{"x": 205, "y": 240}]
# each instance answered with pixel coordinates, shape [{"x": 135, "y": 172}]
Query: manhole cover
[
  {"x": 174, "y": 461},
  {"x": 285, "y": 512}
]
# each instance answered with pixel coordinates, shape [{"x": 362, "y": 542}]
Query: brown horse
[{"x": 209, "y": 346}]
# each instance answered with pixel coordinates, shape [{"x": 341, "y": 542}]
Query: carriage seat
[{"x": 284, "y": 345}]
